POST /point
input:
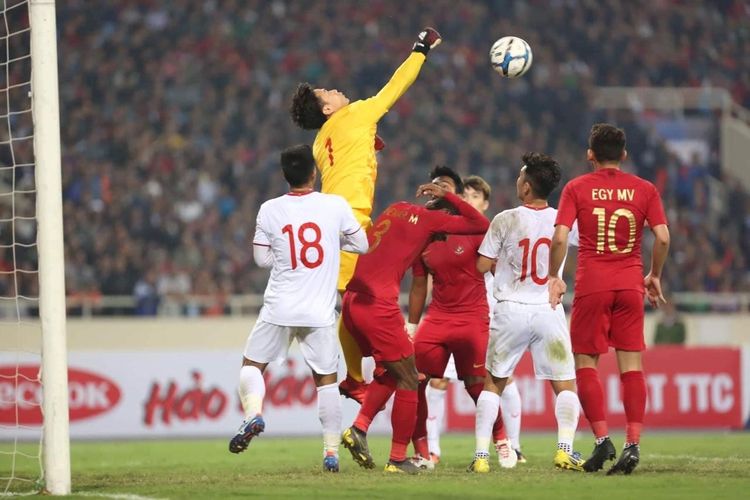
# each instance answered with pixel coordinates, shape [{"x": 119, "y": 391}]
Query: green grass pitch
[{"x": 673, "y": 465}]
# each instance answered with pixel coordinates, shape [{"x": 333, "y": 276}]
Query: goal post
[{"x": 46, "y": 116}]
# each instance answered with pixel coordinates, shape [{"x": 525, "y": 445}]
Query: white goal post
[{"x": 46, "y": 115}]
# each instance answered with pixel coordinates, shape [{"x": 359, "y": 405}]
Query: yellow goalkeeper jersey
[{"x": 344, "y": 148}]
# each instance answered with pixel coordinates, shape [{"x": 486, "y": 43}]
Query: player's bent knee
[
  {"x": 563, "y": 385},
  {"x": 249, "y": 362},
  {"x": 324, "y": 379},
  {"x": 439, "y": 383}
]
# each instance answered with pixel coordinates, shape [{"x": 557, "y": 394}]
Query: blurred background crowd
[{"x": 173, "y": 115}]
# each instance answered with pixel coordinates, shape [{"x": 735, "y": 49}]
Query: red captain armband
[{"x": 379, "y": 143}]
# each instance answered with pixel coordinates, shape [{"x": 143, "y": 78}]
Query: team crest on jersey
[{"x": 459, "y": 250}]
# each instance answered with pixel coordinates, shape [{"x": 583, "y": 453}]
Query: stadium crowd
[{"x": 173, "y": 115}]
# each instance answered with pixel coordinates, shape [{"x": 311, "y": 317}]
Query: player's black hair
[
  {"x": 478, "y": 184},
  {"x": 443, "y": 171},
  {"x": 306, "y": 109},
  {"x": 607, "y": 142},
  {"x": 542, "y": 172},
  {"x": 298, "y": 164}
]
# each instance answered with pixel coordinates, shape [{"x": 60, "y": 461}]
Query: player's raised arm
[
  {"x": 378, "y": 105},
  {"x": 468, "y": 221}
]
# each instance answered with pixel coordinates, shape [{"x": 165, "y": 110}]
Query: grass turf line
[{"x": 673, "y": 465}]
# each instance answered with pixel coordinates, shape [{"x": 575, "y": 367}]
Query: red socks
[
  {"x": 591, "y": 394},
  {"x": 419, "y": 438},
  {"x": 634, "y": 401},
  {"x": 378, "y": 392},
  {"x": 498, "y": 428},
  {"x": 403, "y": 419}
]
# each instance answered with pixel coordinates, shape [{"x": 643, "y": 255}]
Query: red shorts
[
  {"x": 440, "y": 335},
  {"x": 377, "y": 325},
  {"x": 603, "y": 319}
]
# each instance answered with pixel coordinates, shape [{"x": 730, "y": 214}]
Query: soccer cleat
[
  {"x": 568, "y": 461},
  {"x": 629, "y": 459},
  {"x": 435, "y": 459},
  {"x": 353, "y": 389},
  {"x": 403, "y": 467},
  {"x": 423, "y": 463},
  {"x": 602, "y": 452},
  {"x": 506, "y": 456},
  {"x": 331, "y": 463},
  {"x": 355, "y": 441},
  {"x": 480, "y": 465},
  {"x": 247, "y": 431},
  {"x": 521, "y": 457}
]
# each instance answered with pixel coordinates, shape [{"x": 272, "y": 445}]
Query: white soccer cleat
[
  {"x": 423, "y": 463},
  {"x": 506, "y": 455}
]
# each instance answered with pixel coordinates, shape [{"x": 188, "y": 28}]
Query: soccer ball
[{"x": 511, "y": 56}]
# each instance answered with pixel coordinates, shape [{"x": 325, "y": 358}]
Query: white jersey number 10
[{"x": 525, "y": 244}]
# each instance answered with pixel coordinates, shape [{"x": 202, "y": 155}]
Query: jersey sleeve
[
  {"x": 262, "y": 253},
  {"x": 261, "y": 238},
  {"x": 567, "y": 211},
  {"x": 655, "y": 210},
  {"x": 469, "y": 220},
  {"x": 263, "y": 256},
  {"x": 492, "y": 241},
  {"x": 375, "y": 107}
]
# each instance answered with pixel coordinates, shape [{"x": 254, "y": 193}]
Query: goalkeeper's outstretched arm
[{"x": 404, "y": 76}]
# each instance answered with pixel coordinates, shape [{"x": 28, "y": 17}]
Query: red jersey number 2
[
  {"x": 329, "y": 148},
  {"x": 525, "y": 244},
  {"x": 307, "y": 245}
]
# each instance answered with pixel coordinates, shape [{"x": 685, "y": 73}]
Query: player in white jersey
[
  {"x": 299, "y": 236},
  {"x": 518, "y": 244}
]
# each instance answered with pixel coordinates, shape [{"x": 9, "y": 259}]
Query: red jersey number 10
[
  {"x": 525, "y": 244},
  {"x": 307, "y": 245}
]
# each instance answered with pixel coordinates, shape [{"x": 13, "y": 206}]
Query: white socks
[
  {"x": 567, "y": 411},
  {"x": 510, "y": 403},
  {"x": 435, "y": 415},
  {"x": 487, "y": 407},
  {"x": 329, "y": 412},
  {"x": 252, "y": 390}
]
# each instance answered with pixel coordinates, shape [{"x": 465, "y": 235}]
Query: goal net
[{"x": 33, "y": 389}]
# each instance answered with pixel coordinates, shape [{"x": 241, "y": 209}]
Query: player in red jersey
[
  {"x": 457, "y": 320},
  {"x": 371, "y": 313},
  {"x": 611, "y": 208}
]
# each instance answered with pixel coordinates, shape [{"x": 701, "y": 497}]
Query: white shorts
[
  {"x": 319, "y": 346},
  {"x": 450, "y": 369},
  {"x": 538, "y": 328}
]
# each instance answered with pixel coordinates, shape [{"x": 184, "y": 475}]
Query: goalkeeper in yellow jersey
[{"x": 344, "y": 151}]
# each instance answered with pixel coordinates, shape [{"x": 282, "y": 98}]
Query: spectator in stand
[{"x": 671, "y": 328}]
